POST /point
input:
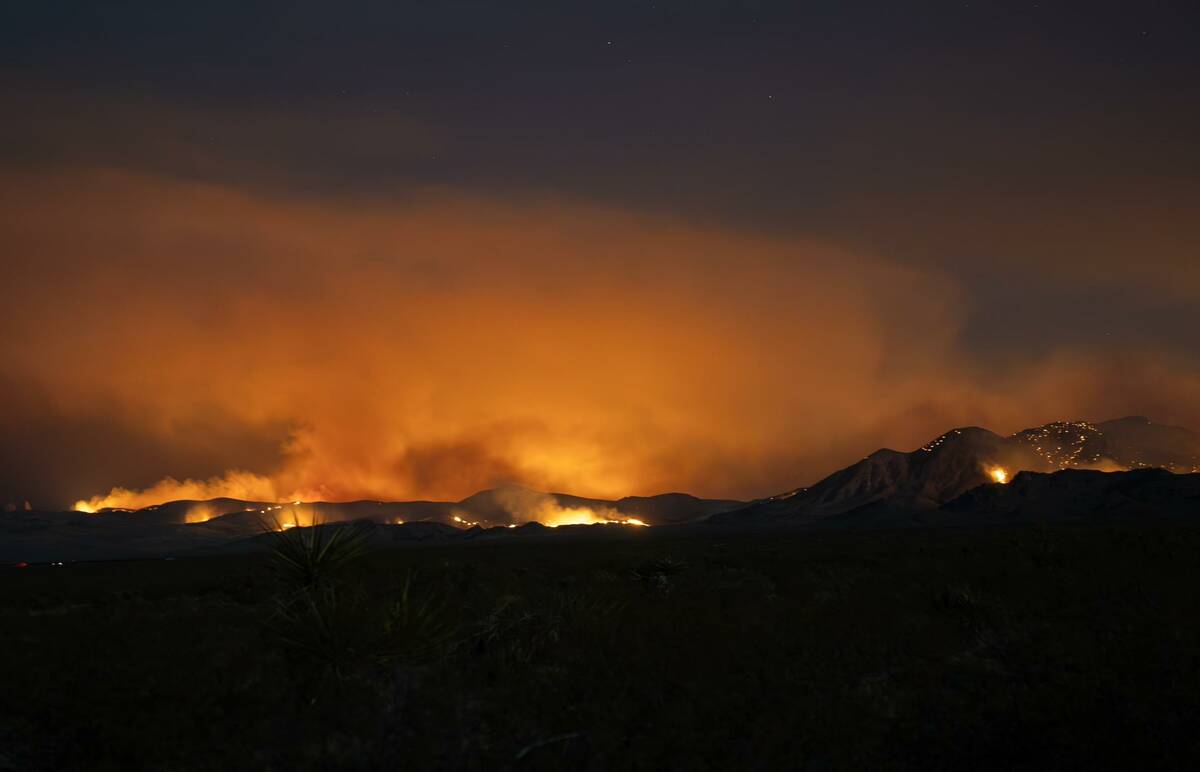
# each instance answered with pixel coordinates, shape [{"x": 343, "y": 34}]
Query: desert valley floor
[{"x": 1069, "y": 646}]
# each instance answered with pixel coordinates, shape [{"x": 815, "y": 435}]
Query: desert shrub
[
  {"x": 657, "y": 574},
  {"x": 513, "y": 632},
  {"x": 1044, "y": 552},
  {"x": 830, "y": 582},
  {"x": 416, "y": 625},
  {"x": 339, "y": 626},
  {"x": 964, "y": 604},
  {"x": 583, "y": 610},
  {"x": 327, "y": 626},
  {"x": 310, "y": 557}
]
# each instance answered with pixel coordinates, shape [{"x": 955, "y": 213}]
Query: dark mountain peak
[
  {"x": 672, "y": 496},
  {"x": 938, "y": 471},
  {"x": 672, "y": 507},
  {"x": 1143, "y": 426},
  {"x": 963, "y": 437},
  {"x": 500, "y": 491},
  {"x": 1062, "y": 444},
  {"x": 969, "y": 457},
  {"x": 1075, "y": 494},
  {"x": 971, "y": 432},
  {"x": 1132, "y": 442}
]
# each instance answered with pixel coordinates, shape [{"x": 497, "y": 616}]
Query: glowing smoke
[
  {"x": 531, "y": 506},
  {"x": 437, "y": 346}
]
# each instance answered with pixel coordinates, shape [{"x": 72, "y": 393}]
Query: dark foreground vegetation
[{"x": 1024, "y": 648}]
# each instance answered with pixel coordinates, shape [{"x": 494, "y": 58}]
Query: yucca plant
[
  {"x": 965, "y": 604},
  {"x": 416, "y": 627},
  {"x": 578, "y": 609},
  {"x": 656, "y": 574},
  {"x": 664, "y": 566},
  {"x": 326, "y": 625},
  {"x": 515, "y": 633},
  {"x": 310, "y": 557}
]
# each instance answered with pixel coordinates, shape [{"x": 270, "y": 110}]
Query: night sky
[{"x": 400, "y": 250}]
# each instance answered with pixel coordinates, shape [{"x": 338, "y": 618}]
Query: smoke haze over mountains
[
  {"x": 428, "y": 348},
  {"x": 720, "y": 251}
]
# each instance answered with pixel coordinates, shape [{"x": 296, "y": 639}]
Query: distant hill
[
  {"x": 202, "y": 527},
  {"x": 1130, "y": 467},
  {"x": 1135, "y": 442},
  {"x": 497, "y": 506},
  {"x": 1076, "y": 494},
  {"x": 967, "y": 458}
]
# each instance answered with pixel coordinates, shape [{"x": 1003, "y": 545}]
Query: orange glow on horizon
[
  {"x": 586, "y": 516},
  {"x": 468, "y": 342},
  {"x": 200, "y": 513}
]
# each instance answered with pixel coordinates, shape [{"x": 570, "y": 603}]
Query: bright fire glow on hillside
[
  {"x": 201, "y": 513},
  {"x": 520, "y": 505},
  {"x": 236, "y": 484},
  {"x": 377, "y": 399},
  {"x": 548, "y": 512},
  {"x": 586, "y": 516},
  {"x": 524, "y": 505},
  {"x": 999, "y": 474}
]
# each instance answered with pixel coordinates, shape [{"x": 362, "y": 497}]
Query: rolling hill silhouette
[
  {"x": 1130, "y": 467},
  {"x": 188, "y": 526},
  {"x": 888, "y": 482}
]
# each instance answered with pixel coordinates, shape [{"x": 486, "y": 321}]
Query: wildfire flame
[
  {"x": 201, "y": 513},
  {"x": 999, "y": 474},
  {"x": 531, "y": 506},
  {"x": 536, "y": 507},
  {"x": 585, "y": 516},
  {"x": 235, "y": 484},
  {"x": 524, "y": 506}
]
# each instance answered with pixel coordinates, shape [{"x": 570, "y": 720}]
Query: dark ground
[{"x": 1034, "y": 648}]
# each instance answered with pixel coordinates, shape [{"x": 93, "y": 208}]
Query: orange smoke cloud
[
  {"x": 235, "y": 484},
  {"x": 431, "y": 347},
  {"x": 523, "y": 505}
]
